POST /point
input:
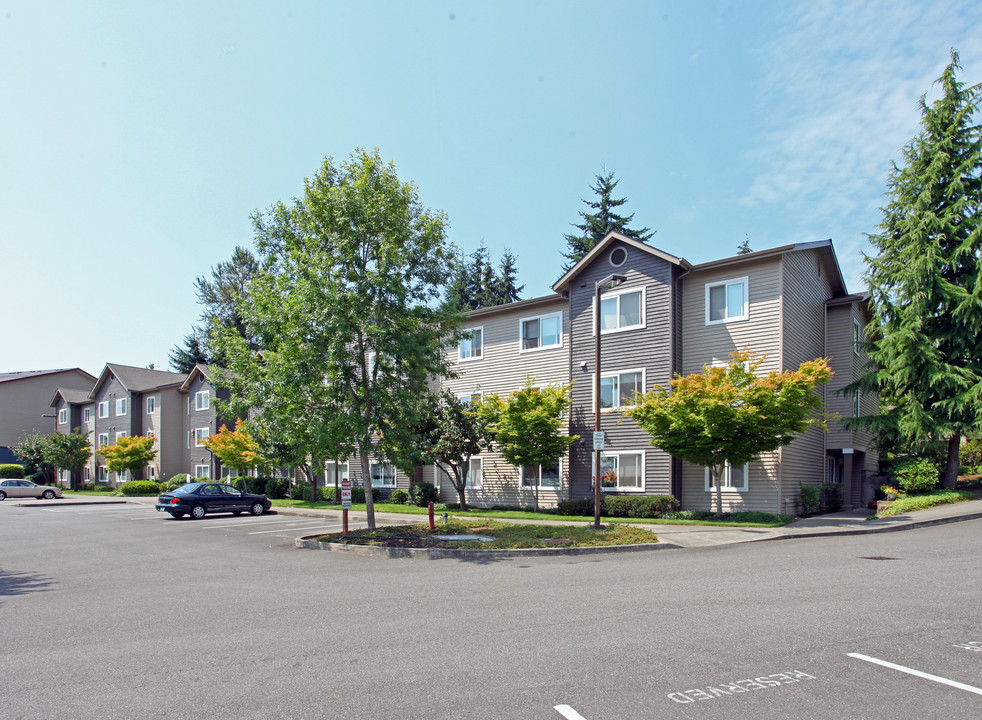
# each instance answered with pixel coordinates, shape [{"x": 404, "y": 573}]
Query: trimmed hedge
[
  {"x": 633, "y": 506},
  {"x": 357, "y": 494},
  {"x": 399, "y": 497},
  {"x": 140, "y": 487},
  {"x": 11, "y": 470}
]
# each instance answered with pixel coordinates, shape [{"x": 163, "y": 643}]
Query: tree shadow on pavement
[{"x": 22, "y": 583}]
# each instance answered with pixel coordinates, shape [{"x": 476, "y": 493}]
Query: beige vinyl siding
[
  {"x": 704, "y": 344},
  {"x": 649, "y": 348},
  {"x": 806, "y": 288},
  {"x": 842, "y": 360},
  {"x": 501, "y": 370}
]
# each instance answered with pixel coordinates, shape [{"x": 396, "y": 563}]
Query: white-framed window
[
  {"x": 103, "y": 439},
  {"x": 622, "y": 471},
  {"x": 475, "y": 475},
  {"x": 621, "y": 310},
  {"x": 152, "y": 473},
  {"x": 202, "y": 471},
  {"x": 335, "y": 471},
  {"x": 470, "y": 398},
  {"x": 123, "y": 476},
  {"x": 64, "y": 477},
  {"x": 120, "y": 434},
  {"x": 382, "y": 474},
  {"x": 471, "y": 345},
  {"x": 63, "y": 416},
  {"x": 102, "y": 474},
  {"x": 734, "y": 479},
  {"x": 857, "y": 336},
  {"x": 857, "y": 404},
  {"x": 200, "y": 435},
  {"x": 541, "y": 332},
  {"x": 726, "y": 301},
  {"x": 87, "y": 414},
  {"x": 121, "y": 406},
  {"x": 104, "y": 409},
  {"x": 86, "y": 474},
  {"x": 545, "y": 476},
  {"x": 202, "y": 400},
  {"x": 618, "y": 389},
  {"x": 151, "y": 404}
]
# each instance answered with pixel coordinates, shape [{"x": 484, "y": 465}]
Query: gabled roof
[
  {"x": 10, "y": 376},
  {"x": 849, "y": 299},
  {"x": 72, "y": 397},
  {"x": 199, "y": 369},
  {"x": 564, "y": 282},
  {"x": 136, "y": 379}
]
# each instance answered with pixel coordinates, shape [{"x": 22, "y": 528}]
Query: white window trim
[
  {"x": 201, "y": 434},
  {"x": 619, "y": 489},
  {"x": 857, "y": 336},
  {"x": 470, "y": 396},
  {"x": 206, "y": 469},
  {"x": 101, "y": 473},
  {"x": 460, "y": 345},
  {"x": 857, "y": 403},
  {"x": 745, "y": 281},
  {"x": 86, "y": 474},
  {"x": 151, "y": 404},
  {"x": 558, "y": 487},
  {"x": 336, "y": 464},
  {"x": 395, "y": 478},
  {"x": 104, "y": 409},
  {"x": 121, "y": 401},
  {"x": 617, "y": 294},
  {"x": 198, "y": 397},
  {"x": 100, "y": 441},
  {"x": 63, "y": 416},
  {"x": 617, "y": 374},
  {"x": 439, "y": 474},
  {"x": 86, "y": 414},
  {"x": 726, "y": 479},
  {"x": 121, "y": 434},
  {"x": 544, "y": 316},
  {"x": 151, "y": 472}
]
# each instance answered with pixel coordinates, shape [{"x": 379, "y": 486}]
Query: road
[{"x": 118, "y": 612}]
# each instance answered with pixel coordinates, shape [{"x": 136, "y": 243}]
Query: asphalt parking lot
[{"x": 127, "y": 613}]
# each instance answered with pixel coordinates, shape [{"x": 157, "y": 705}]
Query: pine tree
[
  {"x": 744, "y": 247},
  {"x": 505, "y": 288},
  {"x": 601, "y": 222},
  {"x": 474, "y": 283},
  {"x": 925, "y": 347},
  {"x": 183, "y": 359}
]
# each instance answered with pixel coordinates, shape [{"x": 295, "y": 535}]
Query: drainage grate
[{"x": 878, "y": 557}]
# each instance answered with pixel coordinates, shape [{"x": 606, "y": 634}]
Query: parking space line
[
  {"x": 567, "y": 712},
  {"x": 302, "y": 527},
  {"x": 917, "y": 673},
  {"x": 248, "y": 521}
]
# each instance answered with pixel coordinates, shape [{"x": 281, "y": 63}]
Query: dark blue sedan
[{"x": 203, "y": 498}]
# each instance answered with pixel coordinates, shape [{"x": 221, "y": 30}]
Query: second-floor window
[
  {"x": 63, "y": 416},
  {"x": 86, "y": 414},
  {"x": 202, "y": 401},
  {"x": 104, "y": 409},
  {"x": 472, "y": 345},
  {"x": 726, "y": 301},
  {"x": 103, "y": 439},
  {"x": 857, "y": 404},
  {"x": 151, "y": 404},
  {"x": 621, "y": 310},
  {"x": 121, "y": 406},
  {"x": 618, "y": 390},
  {"x": 120, "y": 435},
  {"x": 542, "y": 332},
  {"x": 857, "y": 336},
  {"x": 200, "y": 435},
  {"x": 468, "y": 399}
]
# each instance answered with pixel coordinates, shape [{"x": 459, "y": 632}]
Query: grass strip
[{"x": 926, "y": 500}]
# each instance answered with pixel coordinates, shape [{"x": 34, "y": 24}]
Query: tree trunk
[
  {"x": 462, "y": 487},
  {"x": 714, "y": 477},
  {"x": 366, "y": 481},
  {"x": 951, "y": 466}
]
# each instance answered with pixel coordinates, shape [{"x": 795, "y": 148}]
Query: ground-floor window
[
  {"x": 734, "y": 478},
  {"x": 622, "y": 471},
  {"x": 383, "y": 475},
  {"x": 545, "y": 475},
  {"x": 102, "y": 474},
  {"x": 202, "y": 471},
  {"x": 335, "y": 472},
  {"x": 87, "y": 474},
  {"x": 152, "y": 472},
  {"x": 475, "y": 475}
]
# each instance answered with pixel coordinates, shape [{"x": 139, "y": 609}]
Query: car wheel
[
  {"x": 176, "y": 515},
  {"x": 48, "y": 494},
  {"x": 3, "y": 495},
  {"x": 257, "y": 508},
  {"x": 198, "y": 512}
]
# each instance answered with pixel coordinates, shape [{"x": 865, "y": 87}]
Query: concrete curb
[
  {"x": 906, "y": 525},
  {"x": 472, "y": 554}
]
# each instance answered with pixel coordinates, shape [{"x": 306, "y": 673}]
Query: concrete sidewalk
[{"x": 851, "y": 522}]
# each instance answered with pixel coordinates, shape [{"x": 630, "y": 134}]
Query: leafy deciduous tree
[
  {"x": 70, "y": 452},
  {"x": 34, "y": 450},
  {"x": 926, "y": 280},
  {"x": 235, "y": 448},
  {"x": 130, "y": 453},
  {"x": 728, "y": 414}
]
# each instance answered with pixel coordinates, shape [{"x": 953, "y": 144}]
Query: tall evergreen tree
[
  {"x": 183, "y": 359},
  {"x": 475, "y": 284},
  {"x": 602, "y": 221},
  {"x": 926, "y": 279},
  {"x": 506, "y": 289}
]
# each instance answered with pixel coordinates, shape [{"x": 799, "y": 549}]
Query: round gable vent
[{"x": 617, "y": 256}]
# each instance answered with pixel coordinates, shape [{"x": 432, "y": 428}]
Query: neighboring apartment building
[
  {"x": 202, "y": 420},
  {"x": 25, "y": 400},
  {"x": 669, "y": 316}
]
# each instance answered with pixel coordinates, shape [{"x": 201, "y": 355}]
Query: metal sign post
[{"x": 345, "y": 504}]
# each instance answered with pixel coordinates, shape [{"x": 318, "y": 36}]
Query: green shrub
[
  {"x": 830, "y": 496},
  {"x": 301, "y": 491},
  {"x": 256, "y": 485},
  {"x": 970, "y": 455},
  {"x": 578, "y": 506},
  {"x": 681, "y": 515},
  {"x": 399, "y": 497},
  {"x": 916, "y": 476},
  {"x": 422, "y": 493},
  {"x": 639, "y": 506},
  {"x": 752, "y": 516},
  {"x": 176, "y": 482},
  {"x": 357, "y": 494},
  {"x": 11, "y": 470},
  {"x": 277, "y": 488},
  {"x": 810, "y": 498},
  {"x": 37, "y": 478},
  {"x": 140, "y": 487},
  {"x": 238, "y": 482},
  {"x": 96, "y": 486}
]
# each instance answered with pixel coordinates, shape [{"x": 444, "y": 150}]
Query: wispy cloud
[{"x": 844, "y": 79}]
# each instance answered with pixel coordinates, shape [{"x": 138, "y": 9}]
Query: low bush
[
  {"x": 96, "y": 486},
  {"x": 422, "y": 493},
  {"x": 970, "y": 455},
  {"x": 639, "y": 506},
  {"x": 37, "y": 478},
  {"x": 522, "y": 508},
  {"x": 578, "y": 506},
  {"x": 239, "y": 482},
  {"x": 140, "y": 487},
  {"x": 176, "y": 482},
  {"x": 751, "y": 516},
  {"x": 301, "y": 490},
  {"x": 256, "y": 485},
  {"x": 11, "y": 470},
  {"x": 357, "y": 494},
  {"x": 277, "y": 488},
  {"x": 399, "y": 497},
  {"x": 916, "y": 476}
]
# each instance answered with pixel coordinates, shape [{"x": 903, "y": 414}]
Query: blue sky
[{"x": 138, "y": 137}]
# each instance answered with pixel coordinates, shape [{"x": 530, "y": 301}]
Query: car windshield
[{"x": 187, "y": 489}]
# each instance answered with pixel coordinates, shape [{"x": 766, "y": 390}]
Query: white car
[{"x": 27, "y": 489}]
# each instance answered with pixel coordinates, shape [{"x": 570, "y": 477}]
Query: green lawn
[{"x": 926, "y": 500}]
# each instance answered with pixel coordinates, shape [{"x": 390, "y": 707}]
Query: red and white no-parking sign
[{"x": 346, "y": 494}]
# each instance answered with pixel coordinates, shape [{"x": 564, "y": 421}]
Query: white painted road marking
[
  {"x": 917, "y": 673},
  {"x": 301, "y": 527},
  {"x": 567, "y": 712}
]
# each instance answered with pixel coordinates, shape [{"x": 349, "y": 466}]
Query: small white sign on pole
[
  {"x": 346, "y": 494},
  {"x": 598, "y": 440}
]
